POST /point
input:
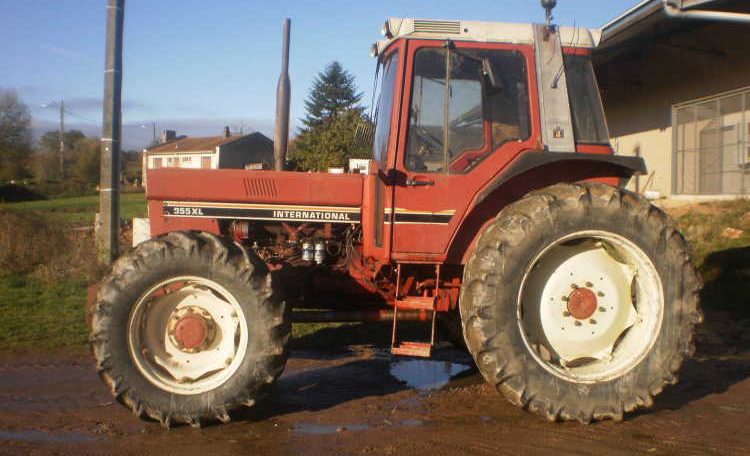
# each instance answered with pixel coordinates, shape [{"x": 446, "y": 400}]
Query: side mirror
[{"x": 490, "y": 77}]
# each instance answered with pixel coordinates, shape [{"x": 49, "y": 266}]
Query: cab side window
[{"x": 456, "y": 121}]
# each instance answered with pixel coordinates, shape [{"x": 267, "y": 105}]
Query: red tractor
[{"x": 493, "y": 202}]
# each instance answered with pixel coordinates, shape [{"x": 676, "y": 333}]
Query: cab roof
[{"x": 483, "y": 32}]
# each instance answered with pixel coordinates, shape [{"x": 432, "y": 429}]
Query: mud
[{"x": 353, "y": 399}]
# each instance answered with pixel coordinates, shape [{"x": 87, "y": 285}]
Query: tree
[
  {"x": 15, "y": 136},
  {"x": 47, "y": 160},
  {"x": 86, "y": 167},
  {"x": 50, "y": 141},
  {"x": 330, "y": 144},
  {"x": 333, "y": 114},
  {"x": 333, "y": 93}
]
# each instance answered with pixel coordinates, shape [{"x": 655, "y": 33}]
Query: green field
[
  {"x": 39, "y": 316},
  {"x": 81, "y": 209}
]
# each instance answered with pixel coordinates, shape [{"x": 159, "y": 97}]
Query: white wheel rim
[
  {"x": 157, "y": 351},
  {"x": 554, "y": 308}
]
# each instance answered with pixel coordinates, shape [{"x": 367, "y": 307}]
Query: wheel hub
[
  {"x": 590, "y": 306},
  {"x": 191, "y": 329},
  {"x": 582, "y": 303}
]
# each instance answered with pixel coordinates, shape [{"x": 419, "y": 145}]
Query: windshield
[{"x": 383, "y": 112}]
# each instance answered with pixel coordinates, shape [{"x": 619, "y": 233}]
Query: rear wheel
[
  {"x": 186, "y": 329},
  {"x": 580, "y": 301}
]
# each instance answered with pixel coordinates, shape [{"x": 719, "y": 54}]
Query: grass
[
  {"x": 703, "y": 226},
  {"x": 40, "y": 316},
  {"x": 82, "y": 209}
]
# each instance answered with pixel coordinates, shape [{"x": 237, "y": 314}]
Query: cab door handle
[{"x": 419, "y": 183}]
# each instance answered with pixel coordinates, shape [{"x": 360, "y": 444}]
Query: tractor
[{"x": 493, "y": 210}]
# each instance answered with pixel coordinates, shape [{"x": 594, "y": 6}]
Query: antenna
[{"x": 548, "y": 6}]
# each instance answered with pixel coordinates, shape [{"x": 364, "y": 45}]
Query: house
[
  {"x": 253, "y": 151},
  {"x": 675, "y": 81}
]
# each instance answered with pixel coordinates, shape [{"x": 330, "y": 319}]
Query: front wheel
[
  {"x": 186, "y": 329},
  {"x": 580, "y": 301}
]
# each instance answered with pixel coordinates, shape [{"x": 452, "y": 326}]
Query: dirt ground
[{"x": 352, "y": 398}]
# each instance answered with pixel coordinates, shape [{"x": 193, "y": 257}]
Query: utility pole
[
  {"x": 153, "y": 124},
  {"x": 109, "y": 187},
  {"x": 62, "y": 139}
]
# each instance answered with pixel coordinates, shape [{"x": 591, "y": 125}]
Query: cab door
[{"x": 457, "y": 130}]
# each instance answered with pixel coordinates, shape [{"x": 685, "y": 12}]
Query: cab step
[
  {"x": 417, "y": 349},
  {"x": 416, "y": 303},
  {"x": 423, "y": 303}
]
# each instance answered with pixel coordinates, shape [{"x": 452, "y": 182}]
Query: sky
[{"x": 195, "y": 65}]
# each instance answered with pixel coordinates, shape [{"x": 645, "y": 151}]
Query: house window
[
  {"x": 187, "y": 159},
  {"x": 156, "y": 163},
  {"x": 711, "y": 149},
  {"x": 205, "y": 162}
]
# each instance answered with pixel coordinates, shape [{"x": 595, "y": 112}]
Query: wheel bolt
[
  {"x": 566, "y": 314},
  {"x": 592, "y": 321},
  {"x": 602, "y": 309},
  {"x": 577, "y": 323},
  {"x": 600, "y": 294},
  {"x": 573, "y": 286},
  {"x": 589, "y": 284}
]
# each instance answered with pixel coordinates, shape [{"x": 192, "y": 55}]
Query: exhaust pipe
[{"x": 282, "y": 104}]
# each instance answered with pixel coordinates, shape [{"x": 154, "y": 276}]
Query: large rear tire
[
  {"x": 580, "y": 302},
  {"x": 187, "y": 328}
]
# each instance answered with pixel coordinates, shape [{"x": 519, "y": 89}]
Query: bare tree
[{"x": 15, "y": 136}]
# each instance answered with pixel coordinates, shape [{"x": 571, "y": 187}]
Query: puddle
[
  {"x": 426, "y": 374},
  {"x": 37, "y": 436},
  {"x": 324, "y": 429}
]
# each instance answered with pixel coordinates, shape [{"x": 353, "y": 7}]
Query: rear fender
[{"x": 533, "y": 171}]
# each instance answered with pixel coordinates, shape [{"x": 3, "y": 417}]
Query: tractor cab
[
  {"x": 471, "y": 87},
  {"x": 460, "y": 101}
]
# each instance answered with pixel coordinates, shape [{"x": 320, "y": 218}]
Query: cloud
[
  {"x": 40, "y": 127},
  {"x": 95, "y": 104},
  {"x": 63, "y": 52},
  {"x": 137, "y": 134}
]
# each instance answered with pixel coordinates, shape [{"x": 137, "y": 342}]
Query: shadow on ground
[
  {"x": 361, "y": 368},
  {"x": 722, "y": 356}
]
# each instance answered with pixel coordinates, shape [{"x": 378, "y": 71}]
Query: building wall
[
  {"x": 643, "y": 83},
  {"x": 253, "y": 148},
  {"x": 192, "y": 160}
]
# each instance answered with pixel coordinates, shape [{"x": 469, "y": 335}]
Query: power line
[{"x": 83, "y": 117}]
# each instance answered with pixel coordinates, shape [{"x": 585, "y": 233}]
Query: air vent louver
[
  {"x": 260, "y": 187},
  {"x": 438, "y": 27}
]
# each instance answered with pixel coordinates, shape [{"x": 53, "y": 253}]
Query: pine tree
[
  {"x": 333, "y": 114},
  {"x": 333, "y": 93}
]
